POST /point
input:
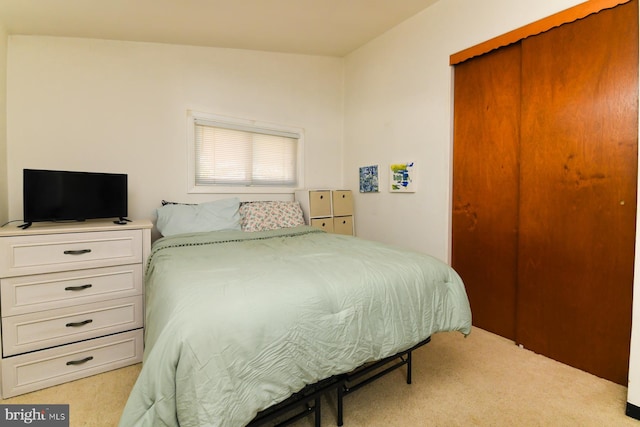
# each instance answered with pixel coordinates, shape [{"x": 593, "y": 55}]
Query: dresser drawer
[
  {"x": 26, "y": 294},
  {"x": 34, "y": 331},
  {"x": 343, "y": 225},
  {"x": 33, "y": 371},
  {"x": 342, "y": 202},
  {"x": 325, "y": 224},
  {"x": 32, "y": 254},
  {"x": 319, "y": 203}
]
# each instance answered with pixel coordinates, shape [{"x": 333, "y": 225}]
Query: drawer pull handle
[
  {"x": 78, "y": 288},
  {"x": 77, "y": 252},
  {"x": 79, "y": 362},
  {"x": 76, "y": 324}
]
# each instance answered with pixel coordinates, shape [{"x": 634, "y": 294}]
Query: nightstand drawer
[
  {"x": 320, "y": 203},
  {"x": 34, "y": 331},
  {"x": 325, "y": 224},
  {"x": 343, "y": 225},
  {"x": 21, "y": 255},
  {"x": 26, "y": 294},
  {"x": 33, "y": 371},
  {"x": 342, "y": 202}
]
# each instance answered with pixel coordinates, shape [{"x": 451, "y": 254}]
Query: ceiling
[{"x": 316, "y": 27}]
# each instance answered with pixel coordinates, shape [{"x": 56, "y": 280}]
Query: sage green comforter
[{"x": 236, "y": 321}]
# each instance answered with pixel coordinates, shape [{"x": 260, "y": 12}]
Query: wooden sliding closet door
[
  {"x": 544, "y": 189},
  {"x": 485, "y": 181},
  {"x": 578, "y": 184}
]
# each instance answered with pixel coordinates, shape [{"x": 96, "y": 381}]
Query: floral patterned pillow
[{"x": 270, "y": 215}]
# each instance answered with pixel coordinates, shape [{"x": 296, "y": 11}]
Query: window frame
[{"x": 194, "y": 188}]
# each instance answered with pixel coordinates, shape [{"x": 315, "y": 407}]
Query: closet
[{"x": 544, "y": 189}]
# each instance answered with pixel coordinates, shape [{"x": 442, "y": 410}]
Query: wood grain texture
[
  {"x": 578, "y": 191},
  {"x": 485, "y": 182},
  {"x": 544, "y": 189},
  {"x": 569, "y": 15}
]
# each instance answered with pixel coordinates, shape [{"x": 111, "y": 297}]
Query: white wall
[
  {"x": 112, "y": 106},
  {"x": 4, "y": 211},
  {"x": 399, "y": 107}
]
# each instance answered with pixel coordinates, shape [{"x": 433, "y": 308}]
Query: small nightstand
[{"x": 330, "y": 210}]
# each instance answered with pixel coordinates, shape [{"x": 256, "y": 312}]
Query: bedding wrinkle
[{"x": 237, "y": 322}]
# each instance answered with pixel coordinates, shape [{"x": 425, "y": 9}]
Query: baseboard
[{"x": 633, "y": 411}]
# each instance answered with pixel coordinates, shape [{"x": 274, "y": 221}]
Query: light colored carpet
[{"x": 481, "y": 380}]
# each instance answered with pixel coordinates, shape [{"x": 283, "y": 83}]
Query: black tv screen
[{"x": 51, "y": 195}]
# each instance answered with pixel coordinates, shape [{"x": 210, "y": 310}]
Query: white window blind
[{"x": 236, "y": 154}]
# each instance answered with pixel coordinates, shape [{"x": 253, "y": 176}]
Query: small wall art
[
  {"x": 369, "y": 179},
  {"x": 403, "y": 177}
]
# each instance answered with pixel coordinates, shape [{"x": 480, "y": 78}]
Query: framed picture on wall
[
  {"x": 402, "y": 177},
  {"x": 369, "y": 179}
]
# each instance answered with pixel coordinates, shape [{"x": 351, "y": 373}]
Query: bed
[{"x": 241, "y": 318}]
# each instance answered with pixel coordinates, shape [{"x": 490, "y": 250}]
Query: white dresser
[
  {"x": 71, "y": 301},
  {"x": 330, "y": 210}
]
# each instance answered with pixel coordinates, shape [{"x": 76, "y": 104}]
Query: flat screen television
[{"x": 51, "y": 195}]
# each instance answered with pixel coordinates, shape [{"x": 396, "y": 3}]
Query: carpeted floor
[{"x": 481, "y": 380}]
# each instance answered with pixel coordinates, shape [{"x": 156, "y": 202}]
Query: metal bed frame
[{"x": 307, "y": 400}]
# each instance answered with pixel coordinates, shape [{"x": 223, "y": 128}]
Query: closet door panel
[
  {"x": 485, "y": 185},
  {"x": 578, "y": 184}
]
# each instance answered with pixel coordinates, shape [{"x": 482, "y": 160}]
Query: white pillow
[{"x": 210, "y": 216}]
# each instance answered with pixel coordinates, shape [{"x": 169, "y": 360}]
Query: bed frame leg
[
  {"x": 317, "y": 413},
  {"x": 340, "y": 399},
  {"x": 409, "y": 367}
]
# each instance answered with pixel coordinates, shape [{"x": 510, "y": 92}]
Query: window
[{"x": 231, "y": 155}]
